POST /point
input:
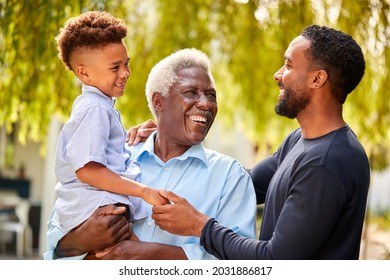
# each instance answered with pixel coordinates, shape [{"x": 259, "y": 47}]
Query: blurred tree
[{"x": 245, "y": 40}]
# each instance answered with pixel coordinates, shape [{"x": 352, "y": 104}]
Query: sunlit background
[{"x": 245, "y": 41}]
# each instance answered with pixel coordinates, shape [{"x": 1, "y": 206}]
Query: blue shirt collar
[
  {"x": 86, "y": 89},
  {"x": 196, "y": 151}
]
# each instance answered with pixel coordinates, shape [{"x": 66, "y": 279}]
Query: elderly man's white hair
[{"x": 163, "y": 74}]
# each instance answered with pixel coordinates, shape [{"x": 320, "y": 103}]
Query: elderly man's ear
[{"x": 158, "y": 100}]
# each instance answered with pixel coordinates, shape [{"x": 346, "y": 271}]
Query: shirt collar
[
  {"x": 196, "y": 151},
  {"x": 86, "y": 89}
]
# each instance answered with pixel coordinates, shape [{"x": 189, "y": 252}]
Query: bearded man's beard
[{"x": 291, "y": 104}]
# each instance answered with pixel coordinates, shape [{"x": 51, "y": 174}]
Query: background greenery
[{"x": 245, "y": 40}]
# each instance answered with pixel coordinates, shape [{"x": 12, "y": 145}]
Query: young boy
[{"x": 92, "y": 164}]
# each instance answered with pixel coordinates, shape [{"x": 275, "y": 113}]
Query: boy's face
[{"x": 106, "y": 68}]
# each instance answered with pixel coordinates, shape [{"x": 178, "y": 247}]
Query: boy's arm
[{"x": 99, "y": 176}]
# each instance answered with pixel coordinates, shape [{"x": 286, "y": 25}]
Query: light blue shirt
[
  {"x": 94, "y": 132},
  {"x": 215, "y": 184}
]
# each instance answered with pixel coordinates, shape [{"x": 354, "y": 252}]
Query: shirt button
[{"x": 166, "y": 168}]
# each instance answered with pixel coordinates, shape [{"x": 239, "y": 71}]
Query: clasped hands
[{"x": 179, "y": 217}]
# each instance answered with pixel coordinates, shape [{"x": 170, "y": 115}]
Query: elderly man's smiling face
[{"x": 188, "y": 112}]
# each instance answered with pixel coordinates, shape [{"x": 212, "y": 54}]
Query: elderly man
[{"x": 181, "y": 95}]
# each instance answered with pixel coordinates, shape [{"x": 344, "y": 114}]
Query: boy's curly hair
[{"x": 90, "y": 30}]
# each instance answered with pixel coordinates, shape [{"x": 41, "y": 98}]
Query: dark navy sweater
[{"x": 315, "y": 193}]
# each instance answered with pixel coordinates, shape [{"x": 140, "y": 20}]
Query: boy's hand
[
  {"x": 153, "y": 197},
  {"x": 179, "y": 217}
]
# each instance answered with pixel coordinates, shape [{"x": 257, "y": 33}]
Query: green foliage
[
  {"x": 383, "y": 220},
  {"x": 33, "y": 83},
  {"x": 245, "y": 41}
]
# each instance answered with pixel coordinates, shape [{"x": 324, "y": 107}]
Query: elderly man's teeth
[{"x": 198, "y": 119}]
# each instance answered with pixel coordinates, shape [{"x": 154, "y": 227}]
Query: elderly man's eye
[{"x": 190, "y": 93}]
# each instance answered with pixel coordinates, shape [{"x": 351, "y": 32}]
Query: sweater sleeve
[
  {"x": 223, "y": 243},
  {"x": 261, "y": 175}
]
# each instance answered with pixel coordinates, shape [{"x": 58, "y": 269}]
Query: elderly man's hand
[
  {"x": 140, "y": 133},
  {"x": 138, "y": 250},
  {"x": 106, "y": 226},
  {"x": 180, "y": 217},
  {"x": 102, "y": 253}
]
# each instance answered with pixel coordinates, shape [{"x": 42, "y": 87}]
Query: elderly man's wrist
[{"x": 66, "y": 247}]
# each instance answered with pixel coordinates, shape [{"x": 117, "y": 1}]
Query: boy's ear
[{"x": 82, "y": 73}]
